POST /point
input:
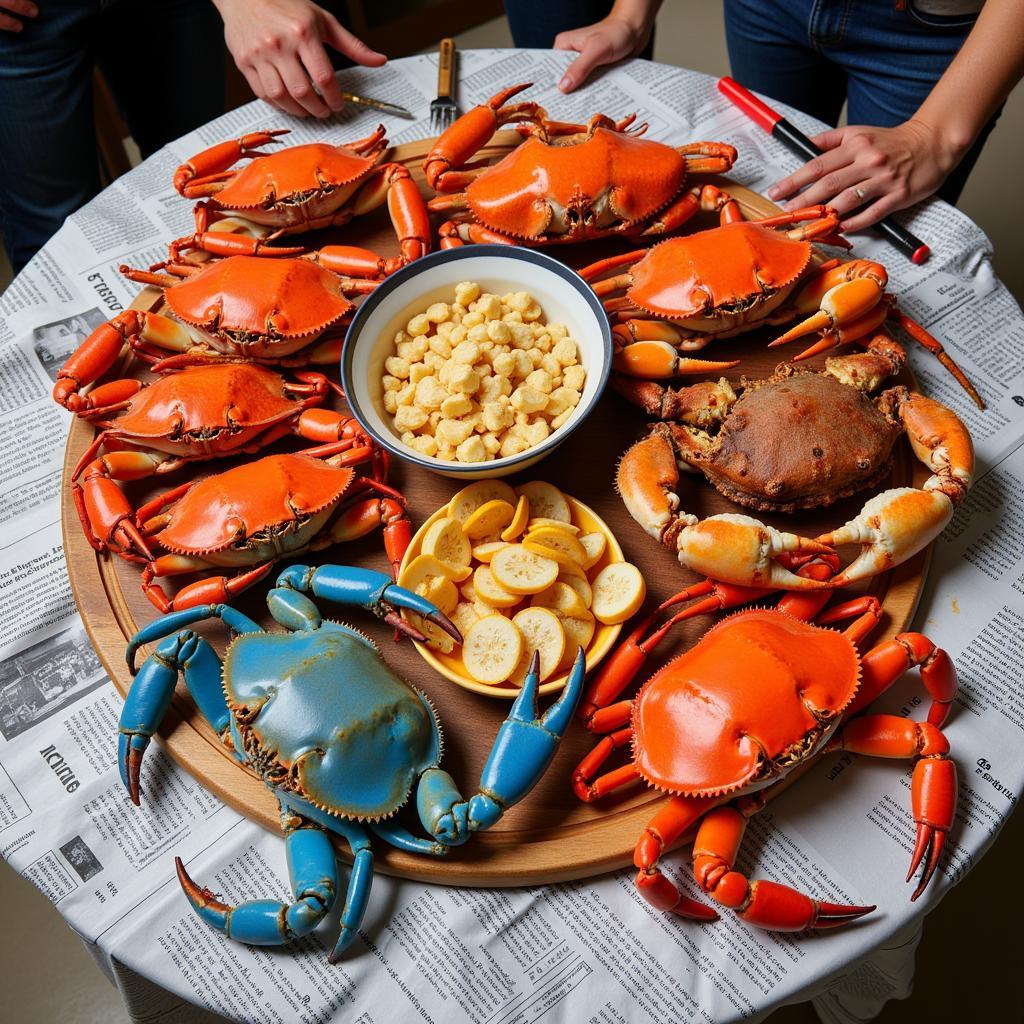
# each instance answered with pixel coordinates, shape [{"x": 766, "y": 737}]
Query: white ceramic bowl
[{"x": 563, "y": 295}]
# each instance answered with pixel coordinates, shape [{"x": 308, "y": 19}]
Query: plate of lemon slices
[{"x": 519, "y": 570}]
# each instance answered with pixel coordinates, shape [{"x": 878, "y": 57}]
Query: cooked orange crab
[
  {"x": 685, "y": 292},
  {"x": 565, "y": 182},
  {"x": 798, "y": 439}
]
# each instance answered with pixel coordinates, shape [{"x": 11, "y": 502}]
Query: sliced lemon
[
  {"x": 490, "y": 518},
  {"x": 561, "y": 599},
  {"x": 521, "y": 571},
  {"x": 447, "y": 543},
  {"x": 579, "y": 583},
  {"x": 440, "y": 592},
  {"x": 538, "y": 521},
  {"x": 594, "y": 545},
  {"x": 557, "y": 540},
  {"x": 579, "y": 631},
  {"x": 470, "y": 498},
  {"x": 485, "y": 552},
  {"x": 546, "y": 500},
  {"x": 543, "y": 633},
  {"x": 424, "y": 567},
  {"x": 465, "y": 614},
  {"x": 490, "y": 591},
  {"x": 619, "y": 590},
  {"x": 519, "y": 520},
  {"x": 437, "y": 638},
  {"x": 491, "y": 649}
]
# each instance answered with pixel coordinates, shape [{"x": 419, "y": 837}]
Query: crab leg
[
  {"x": 367, "y": 589},
  {"x": 212, "y": 590},
  {"x": 313, "y": 873},
  {"x": 664, "y": 830},
  {"x": 470, "y": 133},
  {"x": 106, "y": 516},
  {"x": 896, "y": 524},
  {"x": 206, "y": 172},
  {"x": 523, "y": 749},
  {"x": 392, "y": 182},
  {"x": 101, "y": 349},
  {"x": 151, "y": 691},
  {"x": 763, "y": 903}
]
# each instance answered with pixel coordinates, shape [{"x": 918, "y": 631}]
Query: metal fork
[{"x": 443, "y": 110}]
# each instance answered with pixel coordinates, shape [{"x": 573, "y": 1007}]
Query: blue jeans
[
  {"x": 164, "y": 63},
  {"x": 816, "y": 54}
]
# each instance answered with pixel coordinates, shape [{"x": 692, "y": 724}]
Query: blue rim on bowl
[{"x": 354, "y": 392}]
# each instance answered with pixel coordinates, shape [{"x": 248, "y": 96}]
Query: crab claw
[
  {"x": 374, "y": 591},
  {"x": 742, "y": 550},
  {"x": 891, "y": 527}
]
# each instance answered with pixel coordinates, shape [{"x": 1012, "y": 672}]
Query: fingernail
[
  {"x": 774, "y": 192},
  {"x": 566, "y": 83}
]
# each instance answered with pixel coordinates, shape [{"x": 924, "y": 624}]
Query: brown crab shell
[
  {"x": 514, "y": 196},
  {"x": 295, "y": 171},
  {"x": 286, "y": 297},
  {"x": 275, "y": 492},
  {"x": 725, "y": 267},
  {"x": 208, "y": 398},
  {"x": 752, "y": 698},
  {"x": 799, "y": 439}
]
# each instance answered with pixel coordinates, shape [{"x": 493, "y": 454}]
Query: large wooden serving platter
[{"x": 551, "y": 836}]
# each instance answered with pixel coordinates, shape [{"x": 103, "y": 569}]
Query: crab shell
[
  {"x": 725, "y": 268},
  {"x": 615, "y": 175},
  {"x": 257, "y": 511},
  {"x": 320, "y": 715},
  {"x": 212, "y": 408},
  {"x": 264, "y": 307},
  {"x": 759, "y": 693},
  {"x": 291, "y": 175},
  {"x": 799, "y": 439}
]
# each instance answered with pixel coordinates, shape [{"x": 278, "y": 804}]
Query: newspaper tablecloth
[{"x": 588, "y": 950}]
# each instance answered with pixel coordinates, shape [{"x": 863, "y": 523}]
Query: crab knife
[{"x": 366, "y": 101}]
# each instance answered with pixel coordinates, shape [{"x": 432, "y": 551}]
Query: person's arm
[
  {"x": 279, "y": 46},
  {"x": 23, "y": 8},
  {"x": 624, "y": 33},
  {"x": 885, "y": 169}
]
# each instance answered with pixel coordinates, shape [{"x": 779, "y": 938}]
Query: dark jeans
[
  {"x": 535, "y": 23},
  {"x": 816, "y": 54},
  {"x": 164, "y": 63}
]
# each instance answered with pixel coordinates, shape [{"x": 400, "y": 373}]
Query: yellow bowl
[{"x": 450, "y": 665}]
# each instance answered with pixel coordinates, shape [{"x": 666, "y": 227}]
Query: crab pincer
[{"x": 371, "y": 590}]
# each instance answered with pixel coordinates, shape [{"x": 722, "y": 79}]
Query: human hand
[
  {"x": 604, "y": 42},
  {"x": 23, "y": 8},
  {"x": 871, "y": 170},
  {"x": 279, "y": 46}
]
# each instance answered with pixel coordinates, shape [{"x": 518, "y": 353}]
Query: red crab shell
[
  {"x": 208, "y": 398},
  {"x": 290, "y": 298},
  {"x": 278, "y": 491},
  {"x": 291, "y": 173},
  {"x": 751, "y": 691},
  {"x": 730, "y": 265},
  {"x": 514, "y": 196}
]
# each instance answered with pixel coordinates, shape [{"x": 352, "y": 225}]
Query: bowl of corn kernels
[{"x": 477, "y": 361}]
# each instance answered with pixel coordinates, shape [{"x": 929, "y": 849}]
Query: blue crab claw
[
  {"x": 525, "y": 745},
  {"x": 374, "y": 591}
]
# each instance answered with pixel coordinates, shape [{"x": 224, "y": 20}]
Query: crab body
[
  {"x": 795, "y": 440},
  {"x": 759, "y": 696},
  {"x": 248, "y": 517},
  {"x": 564, "y": 182},
  {"x": 341, "y": 740},
  {"x": 297, "y": 189}
]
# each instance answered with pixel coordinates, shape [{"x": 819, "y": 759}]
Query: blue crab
[{"x": 340, "y": 739}]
